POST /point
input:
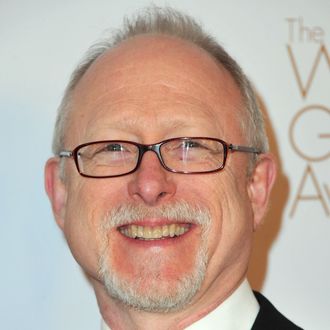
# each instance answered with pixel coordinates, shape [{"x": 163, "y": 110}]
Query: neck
[{"x": 121, "y": 317}]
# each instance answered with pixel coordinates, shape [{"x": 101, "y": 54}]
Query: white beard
[{"x": 150, "y": 291}]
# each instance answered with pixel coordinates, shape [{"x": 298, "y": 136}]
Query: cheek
[
  {"x": 226, "y": 197},
  {"x": 87, "y": 205}
]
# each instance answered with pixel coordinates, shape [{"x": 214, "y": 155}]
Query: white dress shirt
[{"x": 237, "y": 312}]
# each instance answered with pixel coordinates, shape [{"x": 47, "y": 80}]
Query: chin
[{"x": 151, "y": 290}]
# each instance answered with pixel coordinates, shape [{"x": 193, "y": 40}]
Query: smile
[{"x": 155, "y": 232}]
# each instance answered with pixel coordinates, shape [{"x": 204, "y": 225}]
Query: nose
[{"x": 151, "y": 183}]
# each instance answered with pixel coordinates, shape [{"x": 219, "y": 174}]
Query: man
[{"x": 160, "y": 177}]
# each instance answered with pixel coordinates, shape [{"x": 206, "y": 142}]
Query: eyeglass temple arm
[
  {"x": 252, "y": 150},
  {"x": 65, "y": 153}
]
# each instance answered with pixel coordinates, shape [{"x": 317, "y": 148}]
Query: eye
[
  {"x": 109, "y": 149},
  {"x": 187, "y": 149},
  {"x": 190, "y": 144},
  {"x": 115, "y": 151},
  {"x": 113, "y": 147}
]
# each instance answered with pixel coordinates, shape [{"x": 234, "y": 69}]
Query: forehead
[{"x": 151, "y": 81}]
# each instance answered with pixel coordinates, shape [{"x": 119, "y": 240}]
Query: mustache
[{"x": 179, "y": 211}]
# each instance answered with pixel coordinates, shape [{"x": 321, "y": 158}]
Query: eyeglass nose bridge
[{"x": 143, "y": 148}]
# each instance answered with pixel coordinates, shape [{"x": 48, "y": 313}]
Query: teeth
[
  {"x": 158, "y": 232},
  {"x": 165, "y": 231},
  {"x": 140, "y": 231},
  {"x": 134, "y": 231},
  {"x": 147, "y": 232},
  {"x": 172, "y": 230}
]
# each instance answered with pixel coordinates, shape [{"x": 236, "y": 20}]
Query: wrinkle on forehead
[
  {"x": 137, "y": 122},
  {"x": 154, "y": 77},
  {"x": 131, "y": 86},
  {"x": 162, "y": 60}
]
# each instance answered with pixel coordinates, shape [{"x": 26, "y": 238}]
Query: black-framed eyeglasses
[{"x": 187, "y": 155}]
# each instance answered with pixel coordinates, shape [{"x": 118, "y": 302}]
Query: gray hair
[{"x": 167, "y": 21}]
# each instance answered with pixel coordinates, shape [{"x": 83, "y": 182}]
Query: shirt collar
[{"x": 237, "y": 312}]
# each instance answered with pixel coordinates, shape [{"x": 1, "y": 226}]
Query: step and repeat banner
[{"x": 282, "y": 46}]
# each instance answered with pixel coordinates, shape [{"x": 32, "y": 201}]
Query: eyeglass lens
[{"x": 113, "y": 158}]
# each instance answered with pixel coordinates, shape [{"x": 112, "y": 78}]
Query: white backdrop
[{"x": 284, "y": 48}]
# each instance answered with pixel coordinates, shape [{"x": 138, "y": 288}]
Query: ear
[
  {"x": 260, "y": 186},
  {"x": 56, "y": 190}
]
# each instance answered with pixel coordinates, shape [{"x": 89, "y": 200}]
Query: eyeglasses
[{"x": 187, "y": 155}]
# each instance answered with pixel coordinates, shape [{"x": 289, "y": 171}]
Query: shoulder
[{"x": 270, "y": 318}]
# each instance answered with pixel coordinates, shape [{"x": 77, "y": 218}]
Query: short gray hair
[{"x": 167, "y": 21}]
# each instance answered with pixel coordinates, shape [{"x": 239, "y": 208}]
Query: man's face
[{"x": 146, "y": 90}]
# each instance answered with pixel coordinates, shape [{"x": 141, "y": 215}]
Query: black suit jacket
[{"x": 269, "y": 318}]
